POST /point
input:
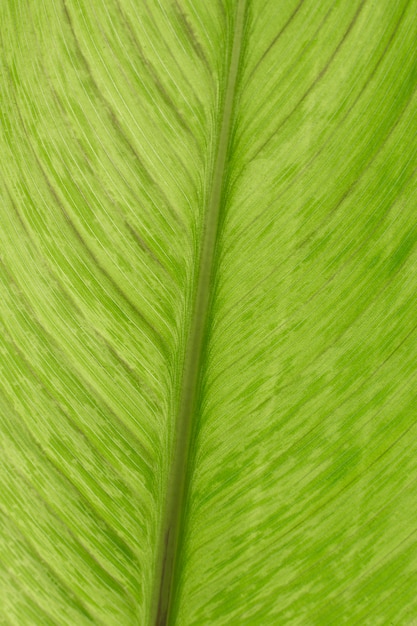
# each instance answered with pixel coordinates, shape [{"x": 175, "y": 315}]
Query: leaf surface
[{"x": 208, "y": 321}]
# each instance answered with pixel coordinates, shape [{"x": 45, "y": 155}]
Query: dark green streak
[{"x": 176, "y": 495}]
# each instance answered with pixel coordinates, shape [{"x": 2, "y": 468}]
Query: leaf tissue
[{"x": 208, "y": 313}]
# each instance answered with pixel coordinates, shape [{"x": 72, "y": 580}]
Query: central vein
[{"x": 188, "y": 397}]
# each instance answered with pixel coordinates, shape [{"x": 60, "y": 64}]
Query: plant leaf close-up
[{"x": 208, "y": 313}]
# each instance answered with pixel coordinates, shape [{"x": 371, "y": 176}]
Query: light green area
[{"x": 259, "y": 406}]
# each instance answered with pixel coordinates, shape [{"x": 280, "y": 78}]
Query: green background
[{"x": 300, "y": 499}]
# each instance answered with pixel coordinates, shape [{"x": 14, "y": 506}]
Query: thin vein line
[
  {"x": 101, "y": 572},
  {"x": 145, "y": 248},
  {"x": 276, "y": 39},
  {"x": 327, "y": 558},
  {"x": 332, "y": 135},
  {"x": 46, "y": 458},
  {"x": 139, "y": 382},
  {"x": 115, "y": 84},
  {"x": 315, "y": 82},
  {"x": 150, "y": 70},
  {"x": 31, "y": 602},
  {"x": 158, "y": 339},
  {"x": 127, "y": 436},
  {"x": 356, "y": 580},
  {"x": 115, "y": 121},
  {"x": 343, "y": 489},
  {"x": 344, "y": 197},
  {"x": 45, "y": 566},
  {"x": 288, "y": 72}
]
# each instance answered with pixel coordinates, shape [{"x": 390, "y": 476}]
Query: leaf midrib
[{"x": 173, "y": 522}]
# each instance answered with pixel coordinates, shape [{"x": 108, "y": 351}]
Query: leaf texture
[{"x": 208, "y": 420}]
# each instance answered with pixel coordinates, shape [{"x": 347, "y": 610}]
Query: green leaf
[{"x": 208, "y": 320}]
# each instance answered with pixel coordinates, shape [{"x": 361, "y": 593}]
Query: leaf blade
[{"x": 299, "y": 506}]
